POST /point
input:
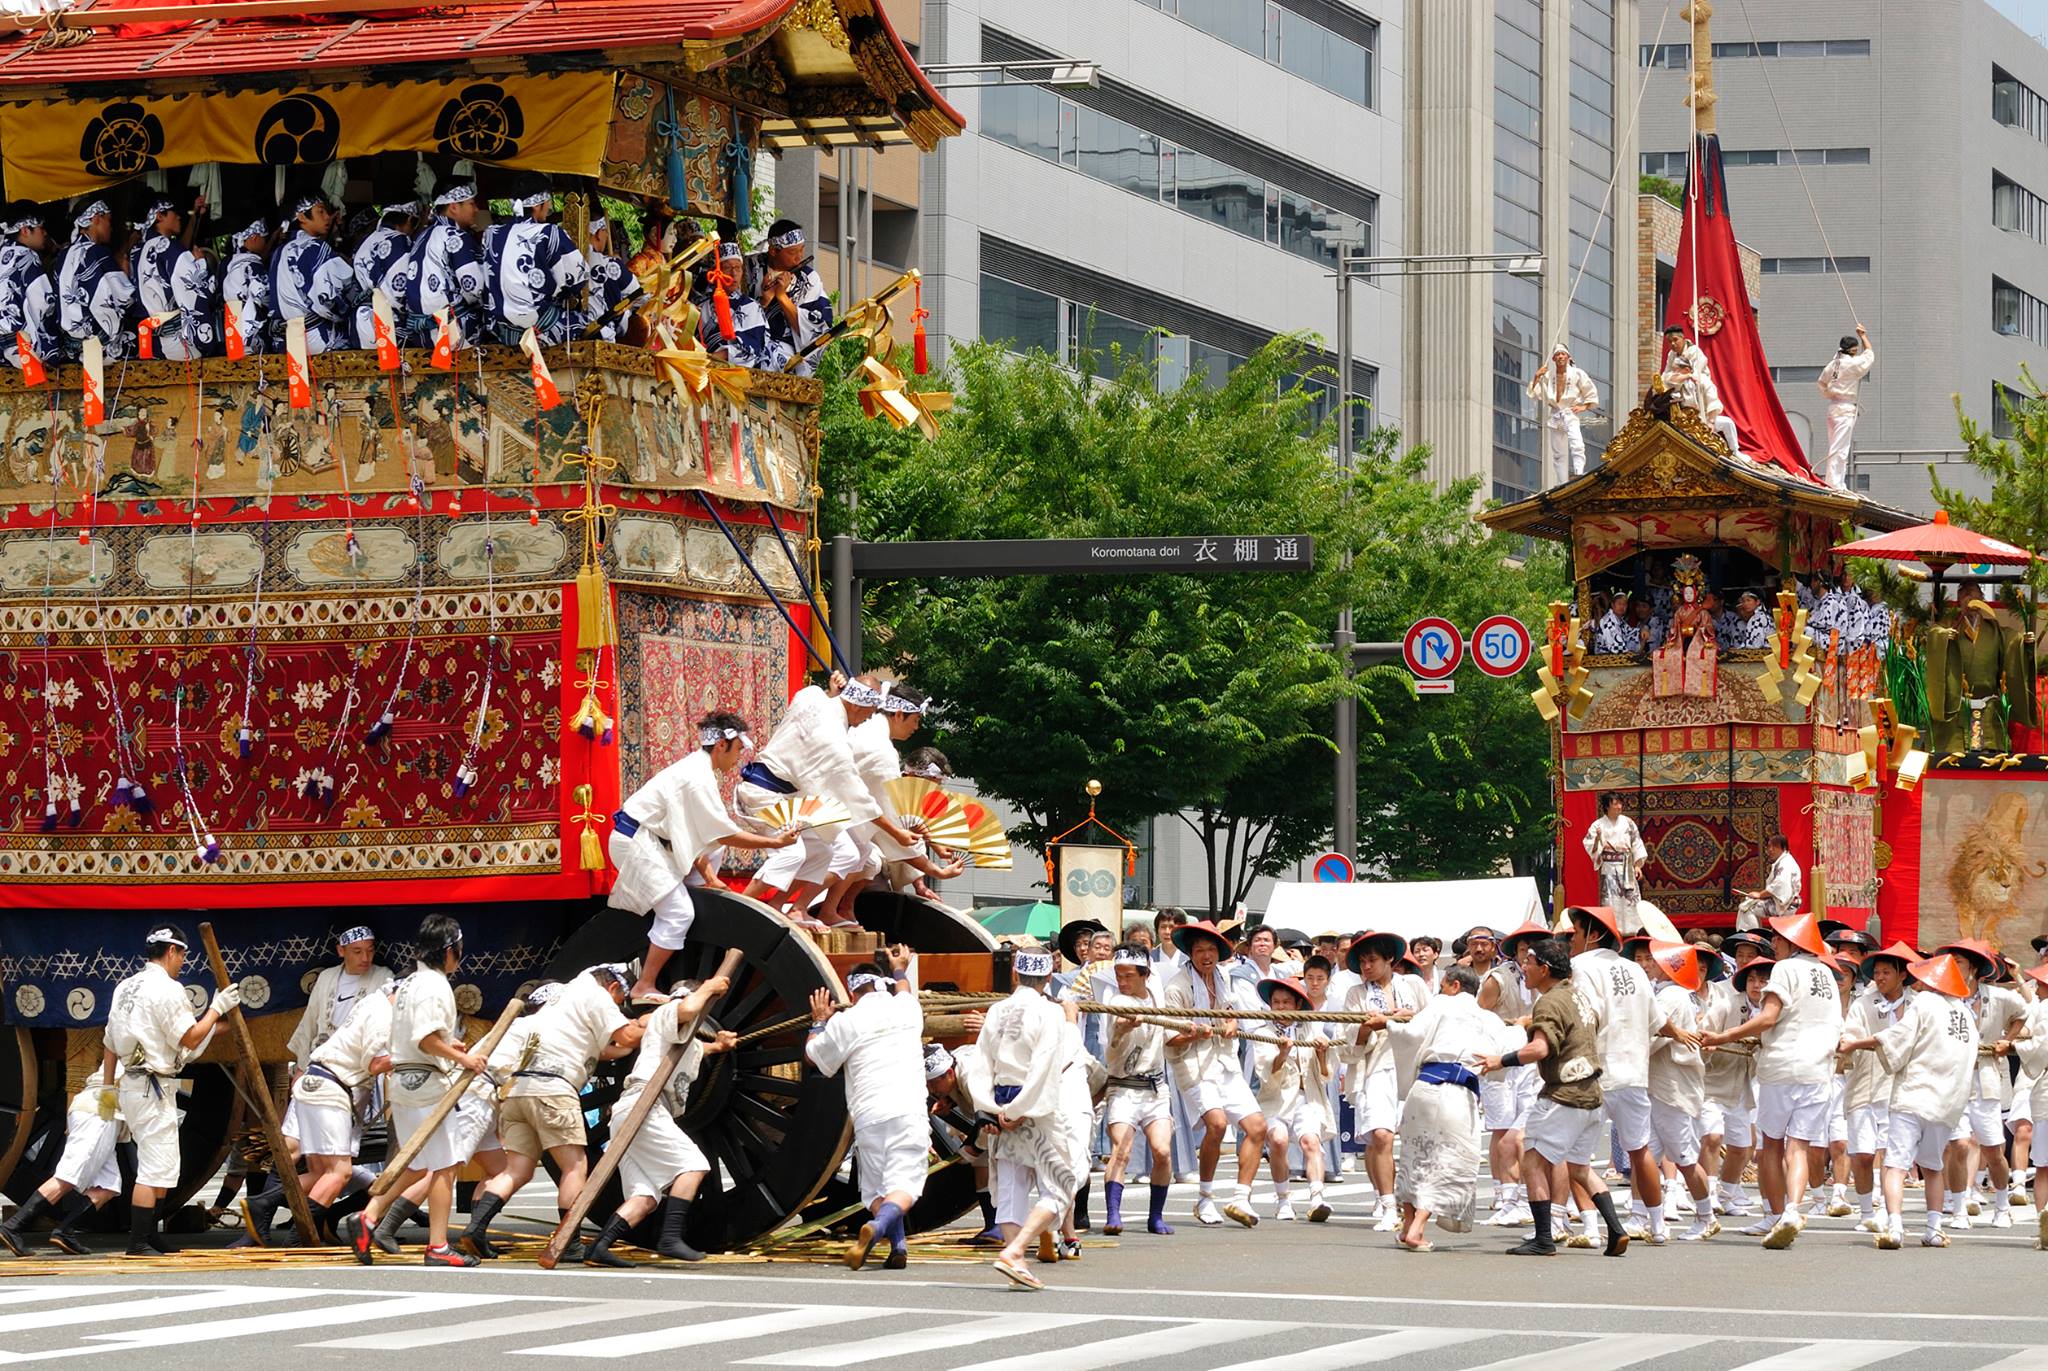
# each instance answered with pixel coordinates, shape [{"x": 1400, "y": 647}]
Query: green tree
[
  {"x": 1663, "y": 187},
  {"x": 2016, "y": 510}
]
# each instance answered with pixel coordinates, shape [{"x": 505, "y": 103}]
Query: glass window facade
[
  {"x": 2018, "y": 313},
  {"x": 1679, "y": 55},
  {"x": 2016, "y": 209},
  {"x": 1517, "y": 227},
  {"x": 1672, "y": 164},
  {"x": 1813, "y": 266},
  {"x": 1591, "y": 237},
  {"x": 1337, "y": 63},
  {"x": 1121, "y": 154}
]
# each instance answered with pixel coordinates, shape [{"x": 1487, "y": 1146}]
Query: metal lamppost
[{"x": 1363, "y": 266}]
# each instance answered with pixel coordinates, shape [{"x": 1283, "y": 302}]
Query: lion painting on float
[{"x": 1988, "y": 876}]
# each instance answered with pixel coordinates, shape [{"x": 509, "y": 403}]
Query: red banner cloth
[{"x": 1711, "y": 303}]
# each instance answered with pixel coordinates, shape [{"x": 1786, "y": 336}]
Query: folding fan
[
  {"x": 919, "y": 802},
  {"x": 984, "y": 834},
  {"x": 805, "y": 811}
]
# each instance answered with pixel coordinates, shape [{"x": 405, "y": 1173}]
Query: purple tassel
[
  {"x": 465, "y": 777},
  {"x": 243, "y": 739},
  {"x": 380, "y": 730},
  {"x": 140, "y": 800},
  {"x": 75, "y": 817},
  {"x": 123, "y": 792},
  {"x": 610, "y": 732},
  {"x": 327, "y": 793},
  {"x": 50, "y": 816},
  {"x": 209, "y": 851},
  {"x": 588, "y": 728}
]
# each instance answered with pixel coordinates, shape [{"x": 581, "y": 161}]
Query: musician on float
[{"x": 785, "y": 281}]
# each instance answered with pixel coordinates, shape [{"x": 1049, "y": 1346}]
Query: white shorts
[
  {"x": 1984, "y": 1123},
  {"x": 660, "y": 1153},
  {"x": 442, "y": 1150},
  {"x": 1677, "y": 1132},
  {"x": 891, "y": 1155},
  {"x": 1910, "y": 1140},
  {"x": 1736, "y": 1123},
  {"x": 1011, "y": 1187},
  {"x": 2037, "y": 1151},
  {"x": 475, "y": 1124},
  {"x": 1561, "y": 1133},
  {"x": 1838, "y": 1118},
  {"x": 1377, "y": 1106},
  {"x": 1867, "y": 1129},
  {"x": 1506, "y": 1097},
  {"x": 1793, "y": 1111},
  {"x": 673, "y": 915},
  {"x": 1628, "y": 1109},
  {"x": 1305, "y": 1118},
  {"x": 150, "y": 1106},
  {"x": 325, "y": 1130},
  {"x": 89, "y": 1162},
  {"x": 1137, "y": 1108},
  {"x": 804, "y": 862},
  {"x": 1232, "y": 1096}
]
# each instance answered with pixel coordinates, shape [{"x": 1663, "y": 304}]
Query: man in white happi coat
[
  {"x": 1615, "y": 844},
  {"x": 336, "y": 992},
  {"x": 1678, "y": 1074},
  {"x": 1505, "y": 1097},
  {"x": 878, "y": 1042},
  {"x": 1294, "y": 1089},
  {"x": 1867, "y": 1090},
  {"x": 810, "y": 754},
  {"x": 2033, "y": 1054},
  {"x": 1369, "y": 1069},
  {"x": 1698, "y": 392},
  {"x": 1206, "y": 1070},
  {"x": 88, "y": 1168},
  {"x": 1798, "y": 1026},
  {"x": 328, "y": 1101},
  {"x": 1137, "y": 1101},
  {"x": 1980, "y": 1141},
  {"x": 662, "y": 1165},
  {"x": 1780, "y": 893},
  {"x": 1039, "y": 1095},
  {"x": 1437, "y": 1056},
  {"x": 1562, "y": 393},
  {"x": 1840, "y": 380},
  {"x": 666, "y": 838},
  {"x": 151, "y": 1035},
  {"x": 1931, "y": 1053},
  {"x": 861, "y": 853}
]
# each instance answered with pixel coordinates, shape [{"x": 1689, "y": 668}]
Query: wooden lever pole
[
  {"x": 623, "y": 1134},
  {"x": 401, "y": 1160},
  {"x": 257, "y": 1090}
]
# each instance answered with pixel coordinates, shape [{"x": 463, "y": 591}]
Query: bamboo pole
[
  {"x": 402, "y": 1159},
  {"x": 623, "y": 1135},
  {"x": 250, "y": 1068}
]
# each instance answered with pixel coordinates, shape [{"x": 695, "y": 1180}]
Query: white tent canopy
[{"x": 1444, "y": 909}]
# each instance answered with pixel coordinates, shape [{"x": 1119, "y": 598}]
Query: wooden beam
[{"x": 250, "y": 1068}]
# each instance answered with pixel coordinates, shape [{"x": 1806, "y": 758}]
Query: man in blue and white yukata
[
  {"x": 245, "y": 285},
  {"x": 447, "y": 272},
  {"x": 383, "y": 261},
  {"x": 95, "y": 298},
  {"x": 28, "y": 297},
  {"x": 534, "y": 274},
  {"x": 615, "y": 292},
  {"x": 752, "y": 343},
  {"x": 791, "y": 292},
  {"x": 309, "y": 280},
  {"x": 176, "y": 283}
]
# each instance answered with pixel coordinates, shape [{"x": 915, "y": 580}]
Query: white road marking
[
  {"x": 2029, "y": 1359},
  {"x": 1366, "y": 1351},
  {"x": 694, "y": 1335},
  {"x": 539, "y": 1321},
  {"x": 30, "y": 1294},
  {"x": 1600, "y": 1354},
  {"x": 923, "y": 1340},
  {"x": 173, "y": 1334},
  {"x": 1845, "y": 1355},
  {"x": 156, "y": 1306},
  {"x": 1158, "y": 1342}
]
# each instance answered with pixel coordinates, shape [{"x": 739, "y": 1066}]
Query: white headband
[
  {"x": 729, "y": 249},
  {"x": 1130, "y": 956},
  {"x": 789, "y": 238},
  {"x": 539, "y": 197},
  {"x": 541, "y": 994},
  {"x": 165, "y": 936},
  {"x": 599, "y": 224},
  {"x": 712, "y": 737},
  {"x": 1032, "y": 964},
  {"x": 91, "y": 212},
  {"x": 898, "y": 704},
  {"x": 16, "y": 226},
  {"x": 933, "y": 772},
  {"x": 860, "y": 695},
  {"x": 149, "y": 219},
  {"x": 258, "y": 228},
  {"x": 861, "y": 980},
  {"x": 305, "y": 204},
  {"x": 937, "y": 1062},
  {"x": 455, "y": 195},
  {"x": 405, "y": 207},
  {"x": 359, "y": 934}
]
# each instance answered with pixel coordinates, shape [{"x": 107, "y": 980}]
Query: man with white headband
[
  {"x": 810, "y": 754},
  {"x": 877, "y": 1042},
  {"x": 541, "y": 1113},
  {"x": 95, "y": 297},
  {"x": 751, "y": 344},
  {"x": 668, "y": 837},
  {"x": 28, "y": 297},
  {"x": 954, "y": 1078},
  {"x": 310, "y": 281},
  {"x": 1039, "y": 1094},
  {"x": 616, "y": 294},
  {"x": 860, "y": 854},
  {"x": 447, "y": 273},
  {"x": 791, "y": 292},
  {"x": 1137, "y": 1099},
  {"x": 533, "y": 273},
  {"x": 245, "y": 285},
  {"x": 151, "y": 1036},
  {"x": 383, "y": 262},
  {"x": 176, "y": 283}
]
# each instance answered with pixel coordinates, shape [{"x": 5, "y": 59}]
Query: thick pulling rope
[{"x": 950, "y": 1001}]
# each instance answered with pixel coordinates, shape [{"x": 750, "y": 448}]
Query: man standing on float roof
[{"x": 1839, "y": 382}]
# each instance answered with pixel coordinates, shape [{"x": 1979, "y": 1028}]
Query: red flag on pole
[
  {"x": 92, "y": 370},
  {"x": 298, "y": 365},
  {"x": 1711, "y": 303},
  {"x": 235, "y": 345},
  {"x": 544, "y": 392},
  {"x": 32, "y": 372}
]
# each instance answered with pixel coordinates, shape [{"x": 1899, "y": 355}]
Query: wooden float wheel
[
  {"x": 924, "y": 924},
  {"x": 19, "y": 1107},
  {"x": 773, "y": 1131}
]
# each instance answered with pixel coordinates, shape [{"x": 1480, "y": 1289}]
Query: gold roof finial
[{"x": 1701, "y": 97}]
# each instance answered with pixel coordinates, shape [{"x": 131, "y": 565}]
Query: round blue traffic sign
[{"x": 1333, "y": 868}]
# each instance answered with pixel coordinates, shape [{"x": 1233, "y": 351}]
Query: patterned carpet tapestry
[{"x": 1703, "y": 844}]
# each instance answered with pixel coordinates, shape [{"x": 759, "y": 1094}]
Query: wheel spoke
[
  {"x": 761, "y": 1083},
  {"x": 767, "y": 1115},
  {"x": 769, "y": 1056}
]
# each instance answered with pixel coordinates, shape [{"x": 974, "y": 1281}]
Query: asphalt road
[{"x": 1282, "y": 1297}]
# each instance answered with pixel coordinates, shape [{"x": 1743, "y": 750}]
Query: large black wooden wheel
[
  {"x": 18, "y": 1104},
  {"x": 925, "y": 925},
  {"x": 774, "y": 1132}
]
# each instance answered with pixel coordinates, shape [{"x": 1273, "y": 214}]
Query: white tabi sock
[
  {"x": 1839, "y": 1193},
  {"x": 1315, "y": 1192},
  {"x": 1657, "y": 1221},
  {"x": 1208, "y": 1190},
  {"x": 1863, "y": 1203},
  {"x": 1934, "y": 1217},
  {"x": 2001, "y": 1201}
]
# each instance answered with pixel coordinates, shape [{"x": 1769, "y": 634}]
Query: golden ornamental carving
[{"x": 822, "y": 18}]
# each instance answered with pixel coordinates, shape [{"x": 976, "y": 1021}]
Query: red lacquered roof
[{"x": 220, "y": 39}]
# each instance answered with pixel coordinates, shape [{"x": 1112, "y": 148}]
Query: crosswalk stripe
[
  {"x": 475, "y": 1330},
  {"x": 1366, "y": 1351},
  {"x": 294, "y": 1320},
  {"x": 2026, "y": 1359},
  {"x": 59, "y": 1292},
  {"x": 1138, "y": 1346},
  {"x": 698, "y": 1334},
  {"x": 1831, "y": 1356},
  {"x": 922, "y": 1340},
  {"x": 1600, "y": 1354},
  {"x": 155, "y": 1306}
]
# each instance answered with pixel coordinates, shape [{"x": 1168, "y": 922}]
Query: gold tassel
[
  {"x": 594, "y": 628},
  {"x": 593, "y": 855},
  {"x": 592, "y": 851}
]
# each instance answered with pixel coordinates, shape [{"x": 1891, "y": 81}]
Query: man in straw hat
[
  {"x": 1203, "y": 1055},
  {"x": 1369, "y": 1071},
  {"x": 2000, "y": 1014},
  {"x": 1566, "y": 1128},
  {"x": 1294, "y": 1075},
  {"x": 1506, "y": 1097},
  {"x": 1678, "y": 1074},
  {"x": 1038, "y": 1094},
  {"x": 1931, "y": 1052},
  {"x": 1137, "y": 1100},
  {"x": 1867, "y": 1086},
  {"x": 1798, "y": 1027}
]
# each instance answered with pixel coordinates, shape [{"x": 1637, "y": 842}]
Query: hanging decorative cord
[
  {"x": 465, "y": 770},
  {"x": 325, "y": 783},
  {"x": 131, "y": 790},
  {"x": 810, "y": 596},
  {"x": 387, "y": 718},
  {"x": 245, "y": 732},
  {"x": 596, "y": 630},
  {"x": 205, "y": 848},
  {"x": 58, "y": 777},
  {"x": 748, "y": 563}
]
